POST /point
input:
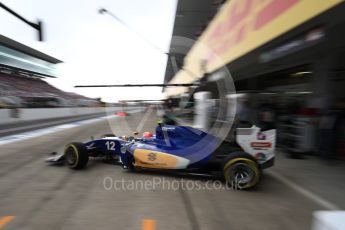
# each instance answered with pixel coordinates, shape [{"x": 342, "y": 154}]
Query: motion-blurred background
[{"x": 276, "y": 64}]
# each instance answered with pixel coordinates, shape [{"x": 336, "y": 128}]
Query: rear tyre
[
  {"x": 76, "y": 155},
  {"x": 241, "y": 171}
]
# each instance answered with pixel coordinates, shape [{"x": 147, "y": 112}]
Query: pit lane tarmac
[{"x": 45, "y": 197}]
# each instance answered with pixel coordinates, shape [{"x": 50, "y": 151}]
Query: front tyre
[
  {"x": 241, "y": 171},
  {"x": 76, "y": 155}
]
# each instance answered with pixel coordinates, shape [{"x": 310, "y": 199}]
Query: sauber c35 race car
[{"x": 182, "y": 148}]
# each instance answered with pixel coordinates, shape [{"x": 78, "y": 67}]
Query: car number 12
[{"x": 110, "y": 145}]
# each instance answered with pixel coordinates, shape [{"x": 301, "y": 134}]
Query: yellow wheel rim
[
  {"x": 76, "y": 153},
  {"x": 250, "y": 164}
]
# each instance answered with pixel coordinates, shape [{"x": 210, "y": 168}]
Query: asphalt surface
[{"x": 40, "y": 196}]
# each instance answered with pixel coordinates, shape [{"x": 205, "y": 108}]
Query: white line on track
[
  {"x": 37, "y": 126},
  {"x": 310, "y": 195},
  {"x": 45, "y": 131}
]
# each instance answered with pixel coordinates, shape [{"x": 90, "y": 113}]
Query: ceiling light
[{"x": 299, "y": 74}]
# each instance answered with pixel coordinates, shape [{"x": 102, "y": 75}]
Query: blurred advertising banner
[{"x": 242, "y": 26}]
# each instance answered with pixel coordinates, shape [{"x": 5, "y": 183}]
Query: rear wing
[{"x": 261, "y": 145}]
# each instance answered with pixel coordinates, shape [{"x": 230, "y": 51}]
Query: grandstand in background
[
  {"x": 22, "y": 73},
  {"x": 33, "y": 92}
]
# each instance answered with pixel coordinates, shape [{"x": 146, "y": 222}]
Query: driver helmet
[{"x": 147, "y": 135}]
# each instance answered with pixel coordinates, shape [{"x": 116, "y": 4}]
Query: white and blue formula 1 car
[{"x": 183, "y": 148}]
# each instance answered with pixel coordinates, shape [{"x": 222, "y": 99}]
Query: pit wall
[{"x": 8, "y": 116}]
